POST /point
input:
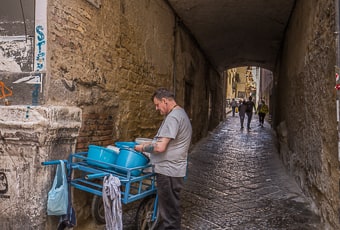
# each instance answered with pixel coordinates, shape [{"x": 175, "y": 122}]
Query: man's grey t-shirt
[{"x": 177, "y": 127}]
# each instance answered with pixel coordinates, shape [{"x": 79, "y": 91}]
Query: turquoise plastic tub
[
  {"x": 127, "y": 144},
  {"x": 129, "y": 158},
  {"x": 102, "y": 154}
]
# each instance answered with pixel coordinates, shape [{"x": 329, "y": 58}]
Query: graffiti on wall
[
  {"x": 4, "y": 183},
  {"x": 40, "y": 35},
  {"x": 23, "y": 56},
  {"x": 40, "y": 54},
  {"x": 40, "y": 59},
  {"x": 40, "y": 46}
]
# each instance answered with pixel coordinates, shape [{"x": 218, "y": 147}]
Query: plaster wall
[
  {"x": 305, "y": 112},
  {"x": 241, "y": 87},
  {"x": 265, "y": 87},
  {"x": 230, "y": 75}
]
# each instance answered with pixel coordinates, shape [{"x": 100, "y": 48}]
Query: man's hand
[{"x": 150, "y": 147}]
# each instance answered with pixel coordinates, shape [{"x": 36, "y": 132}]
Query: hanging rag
[{"x": 112, "y": 203}]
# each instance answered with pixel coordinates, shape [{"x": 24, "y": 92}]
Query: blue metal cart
[{"x": 89, "y": 178}]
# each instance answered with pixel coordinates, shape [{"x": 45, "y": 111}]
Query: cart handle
[
  {"x": 96, "y": 175},
  {"x": 56, "y": 162}
]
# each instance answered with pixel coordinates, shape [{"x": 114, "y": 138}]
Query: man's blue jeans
[{"x": 233, "y": 109}]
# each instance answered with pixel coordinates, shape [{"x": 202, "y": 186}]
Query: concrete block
[{"x": 29, "y": 136}]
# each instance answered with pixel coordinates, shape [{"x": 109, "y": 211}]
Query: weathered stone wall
[
  {"x": 199, "y": 89},
  {"x": 29, "y": 136},
  {"x": 109, "y": 60},
  {"x": 305, "y": 110}
]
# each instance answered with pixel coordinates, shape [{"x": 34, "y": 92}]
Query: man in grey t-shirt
[{"x": 169, "y": 153}]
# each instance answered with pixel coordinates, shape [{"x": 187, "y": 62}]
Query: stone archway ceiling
[{"x": 237, "y": 32}]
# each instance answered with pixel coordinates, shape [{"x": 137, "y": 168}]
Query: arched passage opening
[{"x": 244, "y": 81}]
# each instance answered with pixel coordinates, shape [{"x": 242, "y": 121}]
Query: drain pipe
[{"x": 337, "y": 69}]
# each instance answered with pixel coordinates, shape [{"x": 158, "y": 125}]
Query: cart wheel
[
  {"x": 97, "y": 209},
  {"x": 144, "y": 214}
]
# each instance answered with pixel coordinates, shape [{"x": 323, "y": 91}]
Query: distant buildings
[{"x": 242, "y": 82}]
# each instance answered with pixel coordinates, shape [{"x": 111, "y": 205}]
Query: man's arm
[{"x": 156, "y": 147}]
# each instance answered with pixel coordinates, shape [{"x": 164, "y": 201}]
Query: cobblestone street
[{"x": 236, "y": 181}]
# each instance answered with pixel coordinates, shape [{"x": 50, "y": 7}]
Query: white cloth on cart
[{"x": 112, "y": 203}]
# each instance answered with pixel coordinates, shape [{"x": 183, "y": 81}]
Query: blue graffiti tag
[
  {"x": 40, "y": 56},
  {"x": 35, "y": 95},
  {"x": 40, "y": 59}
]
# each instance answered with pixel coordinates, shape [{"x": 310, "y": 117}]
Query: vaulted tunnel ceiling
[{"x": 236, "y": 33}]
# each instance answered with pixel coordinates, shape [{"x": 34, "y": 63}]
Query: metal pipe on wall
[{"x": 337, "y": 69}]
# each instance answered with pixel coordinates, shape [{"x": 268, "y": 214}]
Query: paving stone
[{"x": 236, "y": 181}]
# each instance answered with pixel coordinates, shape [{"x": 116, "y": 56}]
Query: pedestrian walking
[
  {"x": 169, "y": 153},
  {"x": 249, "y": 110},
  {"x": 259, "y": 105},
  {"x": 262, "y": 110},
  {"x": 233, "y": 105},
  {"x": 242, "y": 112}
]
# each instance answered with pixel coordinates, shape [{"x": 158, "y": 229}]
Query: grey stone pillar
[{"x": 29, "y": 136}]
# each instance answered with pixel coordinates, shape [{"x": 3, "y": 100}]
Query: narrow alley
[
  {"x": 80, "y": 73},
  {"x": 236, "y": 181}
]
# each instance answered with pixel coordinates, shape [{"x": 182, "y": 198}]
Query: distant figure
[
  {"x": 259, "y": 105},
  {"x": 262, "y": 110},
  {"x": 242, "y": 111},
  {"x": 233, "y": 105},
  {"x": 249, "y": 110}
]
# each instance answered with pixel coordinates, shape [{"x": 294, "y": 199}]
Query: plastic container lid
[{"x": 141, "y": 140}]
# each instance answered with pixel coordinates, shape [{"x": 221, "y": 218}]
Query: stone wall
[
  {"x": 305, "y": 111},
  {"x": 29, "y": 136},
  {"x": 109, "y": 60}
]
